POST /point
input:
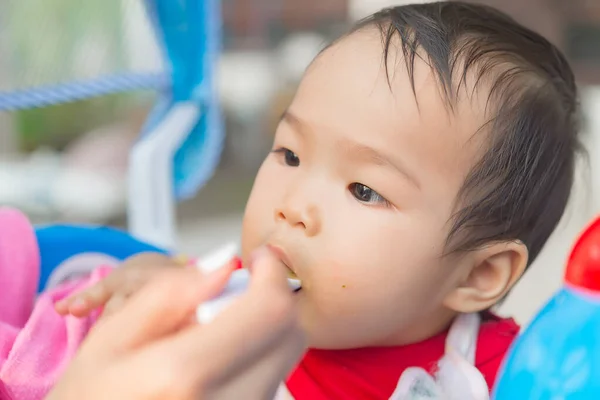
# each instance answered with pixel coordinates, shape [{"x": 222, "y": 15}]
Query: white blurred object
[
  {"x": 362, "y": 8},
  {"x": 200, "y": 236},
  {"x": 591, "y": 109},
  {"x": 83, "y": 195},
  {"x": 218, "y": 258},
  {"x": 297, "y": 52},
  {"x": 86, "y": 183},
  {"x": 247, "y": 81},
  {"x": 44, "y": 188},
  {"x": 143, "y": 52},
  {"x": 105, "y": 149},
  {"x": 151, "y": 196}
]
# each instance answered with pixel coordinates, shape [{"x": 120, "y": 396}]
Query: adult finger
[
  {"x": 257, "y": 320},
  {"x": 264, "y": 375},
  {"x": 115, "y": 303},
  {"x": 158, "y": 308}
]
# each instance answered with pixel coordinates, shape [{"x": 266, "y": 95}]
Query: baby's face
[{"x": 356, "y": 197}]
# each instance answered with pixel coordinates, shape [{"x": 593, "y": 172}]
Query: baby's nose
[{"x": 306, "y": 218}]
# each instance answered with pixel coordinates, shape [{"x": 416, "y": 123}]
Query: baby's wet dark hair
[{"x": 519, "y": 188}]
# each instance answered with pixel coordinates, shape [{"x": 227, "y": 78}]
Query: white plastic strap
[
  {"x": 151, "y": 199},
  {"x": 457, "y": 377}
]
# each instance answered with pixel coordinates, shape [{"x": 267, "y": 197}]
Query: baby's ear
[{"x": 492, "y": 272}]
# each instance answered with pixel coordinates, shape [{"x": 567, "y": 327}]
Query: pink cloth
[{"x": 36, "y": 344}]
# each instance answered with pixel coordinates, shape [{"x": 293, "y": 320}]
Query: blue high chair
[
  {"x": 60, "y": 243},
  {"x": 179, "y": 147}
]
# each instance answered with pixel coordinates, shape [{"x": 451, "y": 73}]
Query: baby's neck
[{"x": 427, "y": 326}]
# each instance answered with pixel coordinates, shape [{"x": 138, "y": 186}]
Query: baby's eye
[
  {"x": 289, "y": 156},
  {"x": 367, "y": 195}
]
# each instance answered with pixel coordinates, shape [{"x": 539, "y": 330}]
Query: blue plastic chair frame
[{"x": 190, "y": 34}]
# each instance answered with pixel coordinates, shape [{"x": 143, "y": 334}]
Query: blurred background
[{"x": 68, "y": 162}]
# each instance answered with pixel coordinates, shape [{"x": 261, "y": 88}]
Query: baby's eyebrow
[
  {"x": 357, "y": 150},
  {"x": 293, "y": 120},
  {"x": 369, "y": 154}
]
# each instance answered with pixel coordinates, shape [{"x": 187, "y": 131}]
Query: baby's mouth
[
  {"x": 291, "y": 274},
  {"x": 293, "y": 281}
]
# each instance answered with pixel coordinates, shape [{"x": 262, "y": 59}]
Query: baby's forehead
[
  {"x": 349, "y": 86},
  {"x": 359, "y": 63}
]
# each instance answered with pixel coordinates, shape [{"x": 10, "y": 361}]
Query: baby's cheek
[
  {"x": 336, "y": 297},
  {"x": 324, "y": 311},
  {"x": 328, "y": 281},
  {"x": 336, "y": 277}
]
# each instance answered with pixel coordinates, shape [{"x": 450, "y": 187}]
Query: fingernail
[
  {"x": 78, "y": 304},
  {"x": 182, "y": 260},
  {"x": 60, "y": 305}
]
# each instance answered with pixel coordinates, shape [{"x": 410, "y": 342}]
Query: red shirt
[{"x": 373, "y": 373}]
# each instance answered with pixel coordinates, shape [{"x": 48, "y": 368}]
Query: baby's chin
[
  {"x": 324, "y": 332},
  {"x": 321, "y": 336},
  {"x": 318, "y": 342}
]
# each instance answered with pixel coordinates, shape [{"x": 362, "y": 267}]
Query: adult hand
[{"x": 150, "y": 350}]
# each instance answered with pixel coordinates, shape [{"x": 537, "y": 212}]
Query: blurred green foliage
[
  {"x": 46, "y": 38},
  {"x": 53, "y": 41},
  {"x": 56, "y": 126}
]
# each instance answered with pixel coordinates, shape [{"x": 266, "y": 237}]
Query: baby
[{"x": 425, "y": 160}]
